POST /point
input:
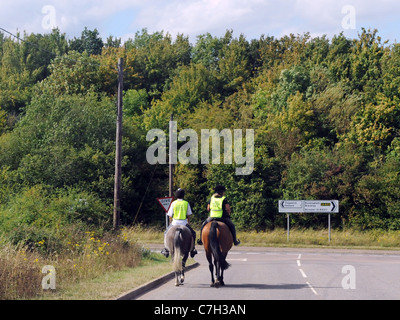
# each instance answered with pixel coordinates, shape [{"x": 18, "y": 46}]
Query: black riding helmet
[
  {"x": 180, "y": 193},
  {"x": 219, "y": 189}
]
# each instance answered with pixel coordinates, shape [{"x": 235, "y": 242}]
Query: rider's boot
[
  {"x": 193, "y": 252},
  {"x": 165, "y": 252}
]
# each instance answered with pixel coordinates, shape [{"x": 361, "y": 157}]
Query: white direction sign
[
  {"x": 165, "y": 202},
  {"x": 303, "y": 206},
  {"x": 328, "y": 206},
  {"x": 291, "y": 206}
]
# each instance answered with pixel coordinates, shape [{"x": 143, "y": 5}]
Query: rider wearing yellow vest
[
  {"x": 215, "y": 206},
  {"x": 179, "y": 213},
  {"x": 220, "y": 210}
]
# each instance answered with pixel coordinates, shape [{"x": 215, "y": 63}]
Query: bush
[{"x": 39, "y": 214}]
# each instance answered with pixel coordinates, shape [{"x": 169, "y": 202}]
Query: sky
[{"x": 252, "y": 18}]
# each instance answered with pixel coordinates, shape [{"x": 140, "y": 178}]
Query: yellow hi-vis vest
[
  {"x": 216, "y": 209},
  {"x": 180, "y": 209}
]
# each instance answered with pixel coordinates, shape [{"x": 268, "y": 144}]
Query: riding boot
[
  {"x": 231, "y": 226},
  {"x": 165, "y": 252},
  {"x": 194, "y": 251},
  {"x": 199, "y": 242}
]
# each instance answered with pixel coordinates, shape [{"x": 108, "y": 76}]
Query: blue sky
[{"x": 123, "y": 18}]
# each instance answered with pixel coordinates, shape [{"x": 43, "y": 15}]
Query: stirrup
[
  {"x": 237, "y": 242},
  {"x": 199, "y": 242}
]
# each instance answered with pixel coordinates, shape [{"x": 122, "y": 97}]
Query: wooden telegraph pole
[
  {"x": 170, "y": 157},
  {"x": 118, "y": 148},
  {"x": 171, "y": 168}
]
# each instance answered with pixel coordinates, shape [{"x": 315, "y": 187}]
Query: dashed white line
[
  {"x": 305, "y": 276},
  {"x": 312, "y": 289},
  {"x": 303, "y": 273}
]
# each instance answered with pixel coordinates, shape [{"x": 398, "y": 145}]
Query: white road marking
[
  {"x": 298, "y": 263},
  {"x": 302, "y": 273},
  {"x": 245, "y": 259},
  {"x": 299, "y": 257},
  {"x": 312, "y": 289}
]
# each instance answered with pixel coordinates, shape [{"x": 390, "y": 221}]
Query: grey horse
[{"x": 179, "y": 241}]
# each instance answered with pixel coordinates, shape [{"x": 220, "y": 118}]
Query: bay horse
[
  {"x": 217, "y": 240},
  {"x": 179, "y": 241}
]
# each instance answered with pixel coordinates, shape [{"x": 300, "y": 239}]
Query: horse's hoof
[
  {"x": 212, "y": 285},
  {"x": 221, "y": 283},
  {"x": 217, "y": 284},
  {"x": 182, "y": 280},
  {"x": 177, "y": 284}
]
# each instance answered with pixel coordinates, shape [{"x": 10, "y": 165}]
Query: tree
[
  {"x": 39, "y": 50},
  {"x": 16, "y": 80},
  {"x": 3, "y": 121},
  {"x": 190, "y": 86},
  {"x": 63, "y": 141},
  {"x": 90, "y": 41},
  {"x": 376, "y": 125},
  {"x": 156, "y": 58},
  {"x": 72, "y": 73}
]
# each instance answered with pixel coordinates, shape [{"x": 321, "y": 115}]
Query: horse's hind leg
[
  {"x": 217, "y": 274},
  {"x": 211, "y": 268},
  {"x": 221, "y": 281},
  {"x": 183, "y": 267},
  {"x": 177, "y": 283}
]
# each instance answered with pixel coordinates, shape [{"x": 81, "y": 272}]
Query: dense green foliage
[{"x": 326, "y": 115}]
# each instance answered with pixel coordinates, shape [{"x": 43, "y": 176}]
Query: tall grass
[
  {"x": 84, "y": 257},
  {"x": 350, "y": 238}
]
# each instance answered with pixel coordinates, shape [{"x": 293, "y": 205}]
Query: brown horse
[{"x": 217, "y": 240}]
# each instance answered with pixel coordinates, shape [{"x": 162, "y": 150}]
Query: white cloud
[{"x": 195, "y": 17}]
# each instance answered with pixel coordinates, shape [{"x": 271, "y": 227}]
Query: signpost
[
  {"x": 165, "y": 204},
  {"x": 309, "y": 206}
]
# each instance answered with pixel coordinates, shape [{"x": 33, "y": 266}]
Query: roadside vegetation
[{"x": 299, "y": 237}]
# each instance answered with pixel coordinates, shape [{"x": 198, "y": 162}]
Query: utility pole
[
  {"x": 171, "y": 184},
  {"x": 118, "y": 148}
]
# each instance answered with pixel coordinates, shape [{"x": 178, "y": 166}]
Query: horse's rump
[{"x": 219, "y": 241}]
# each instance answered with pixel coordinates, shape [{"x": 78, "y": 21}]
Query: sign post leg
[
  {"x": 329, "y": 228},
  {"x": 288, "y": 227}
]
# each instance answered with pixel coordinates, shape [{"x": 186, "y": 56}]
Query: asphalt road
[{"x": 292, "y": 274}]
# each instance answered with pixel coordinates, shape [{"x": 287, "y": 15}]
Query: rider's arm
[{"x": 228, "y": 209}]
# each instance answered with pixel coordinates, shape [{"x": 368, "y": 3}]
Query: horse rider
[
  {"x": 179, "y": 213},
  {"x": 220, "y": 210}
]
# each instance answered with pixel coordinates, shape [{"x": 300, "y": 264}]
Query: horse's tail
[
  {"x": 177, "y": 250},
  {"x": 215, "y": 249}
]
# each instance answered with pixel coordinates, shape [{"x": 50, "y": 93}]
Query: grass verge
[{"x": 112, "y": 284}]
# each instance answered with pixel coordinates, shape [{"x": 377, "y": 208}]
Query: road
[{"x": 292, "y": 274}]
